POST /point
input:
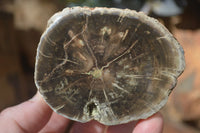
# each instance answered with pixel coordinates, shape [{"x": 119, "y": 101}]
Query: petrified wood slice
[{"x": 111, "y": 65}]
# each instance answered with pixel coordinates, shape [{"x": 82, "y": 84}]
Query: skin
[{"x": 35, "y": 115}]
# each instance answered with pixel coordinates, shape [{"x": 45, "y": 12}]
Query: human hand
[{"x": 35, "y": 116}]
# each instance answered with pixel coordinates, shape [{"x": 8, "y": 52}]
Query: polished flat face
[{"x": 110, "y": 65}]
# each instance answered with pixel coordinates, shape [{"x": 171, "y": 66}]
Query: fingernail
[{"x": 36, "y": 97}]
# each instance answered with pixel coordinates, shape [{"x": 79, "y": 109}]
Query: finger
[
  {"x": 153, "y": 124},
  {"x": 29, "y": 116},
  {"x": 56, "y": 124},
  {"x": 122, "y": 128},
  {"x": 96, "y": 127},
  {"x": 89, "y": 127}
]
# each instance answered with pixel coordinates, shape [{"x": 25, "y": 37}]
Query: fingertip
[
  {"x": 89, "y": 127},
  {"x": 153, "y": 124},
  {"x": 37, "y": 97},
  {"x": 122, "y": 128},
  {"x": 56, "y": 124},
  {"x": 30, "y": 115}
]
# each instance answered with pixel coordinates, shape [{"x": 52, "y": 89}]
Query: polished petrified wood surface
[{"x": 111, "y": 65}]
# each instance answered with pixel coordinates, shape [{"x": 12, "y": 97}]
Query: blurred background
[{"x": 23, "y": 21}]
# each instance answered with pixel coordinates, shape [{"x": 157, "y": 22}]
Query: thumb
[{"x": 30, "y": 116}]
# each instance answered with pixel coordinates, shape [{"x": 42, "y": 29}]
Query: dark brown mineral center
[{"x": 110, "y": 65}]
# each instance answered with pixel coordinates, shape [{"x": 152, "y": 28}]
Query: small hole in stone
[
  {"x": 106, "y": 37},
  {"x": 91, "y": 107}
]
